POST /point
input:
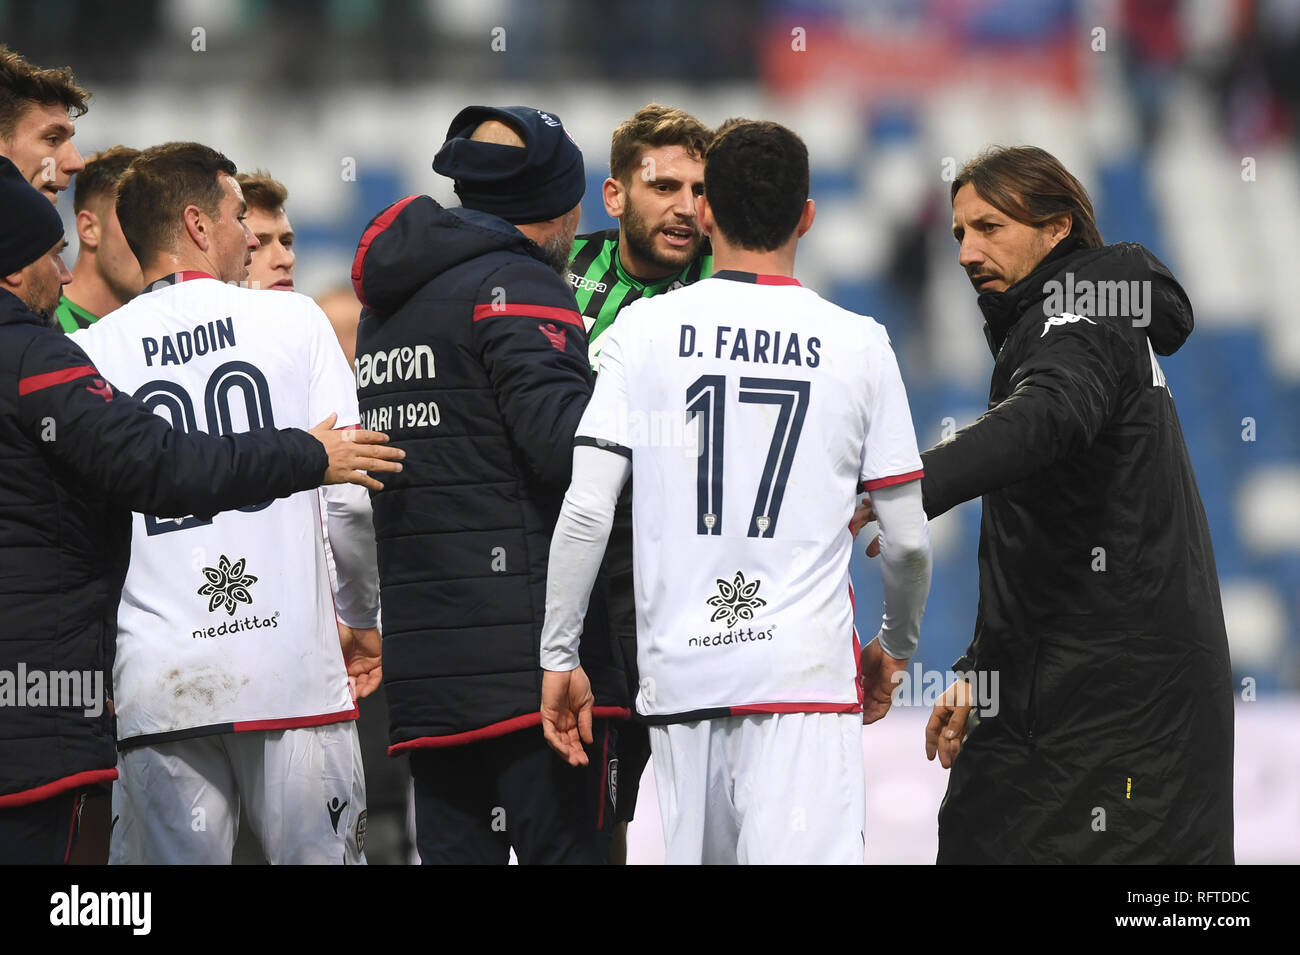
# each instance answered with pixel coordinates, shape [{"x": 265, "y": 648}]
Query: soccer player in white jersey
[
  {"x": 230, "y": 681},
  {"x": 749, "y": 409}
]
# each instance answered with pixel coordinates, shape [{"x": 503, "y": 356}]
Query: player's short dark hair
[
  {"x": 23, "y": 86},
  {"x": 1031, "y": 186},
  {"x": 159, "y": 185},
  {"x": 262, "y": 192},
  {"x": 756, "y": 183},
  {"x": 100, "y": 177},
  {"x": 650, "y": 127}
]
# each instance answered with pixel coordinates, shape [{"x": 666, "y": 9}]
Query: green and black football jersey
[
  {"x": 72, "y": 316},
  {"x": 602, "y": 286}
]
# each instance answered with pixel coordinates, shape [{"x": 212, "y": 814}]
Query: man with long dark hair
[{"x": 1099, "y": 600}]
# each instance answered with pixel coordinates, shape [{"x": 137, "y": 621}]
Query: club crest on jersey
[
  {"x": 553, "y": 335},
  {"x": 227, "y": 585},
  {"x": 736, "y": 599}
]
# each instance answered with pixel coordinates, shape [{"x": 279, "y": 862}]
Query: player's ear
[
  {"x": 806, "y": 218},
  {"x": 705, "y": 214},
  {"x": 88, "y": 228},
  {"x": 196, "y": 226},
  {"x": 615, "y": 197}
]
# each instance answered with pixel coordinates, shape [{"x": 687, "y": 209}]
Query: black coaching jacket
[
  {"x": 472, "y": 355},
  {"x": 79, "y": 456},
  {"x": 1099, "y": 600}
]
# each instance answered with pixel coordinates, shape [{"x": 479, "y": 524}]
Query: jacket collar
[
  {"x": 1003, "y": 309},
  {"x": 14, "y": 311}
]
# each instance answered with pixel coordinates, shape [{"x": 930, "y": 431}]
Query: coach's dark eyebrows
[{"x": 982, "y": 219}]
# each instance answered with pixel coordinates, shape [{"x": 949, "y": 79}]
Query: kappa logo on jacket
[{"x": 1065, "y": 318}]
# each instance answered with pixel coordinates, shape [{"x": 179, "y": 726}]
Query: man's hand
[
  {"x": 353, "y": 452},
  {"x": 947, "y": 727},
  {"x": 362, "y": 656},
  {"x": 862, "y": 516},
  {"x": 566, "y": 713},
  {"x": 880, "y": 675}
]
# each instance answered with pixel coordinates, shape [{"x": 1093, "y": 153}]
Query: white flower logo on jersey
[
  {"x": 736, "y": 600},
  {"x": 227, "y": 584}
]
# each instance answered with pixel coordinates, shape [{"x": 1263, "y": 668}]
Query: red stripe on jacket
[
  {"x": 51, "y": 378},
  {"x": 551, "y": 312},
  {"x": 382, "y": 222},
  {"x": 494, "y": 730},
  {"x": 75, "y": 781}
]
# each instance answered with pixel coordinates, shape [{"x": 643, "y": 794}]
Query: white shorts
[
  {"x": 780, "y": 788},
  {"x": 304, "y": 792}
]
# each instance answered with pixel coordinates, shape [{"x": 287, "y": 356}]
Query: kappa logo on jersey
[
  {"x": 555, "y": 336},
  {"x": 398, "y": 364},
  {"x": 548, "y": 119},
  {"x": 335, "y": 809},
  {"x": 227, "y": 585},
  {"x": 613, "y": 782},
  {"x": 1066, "y": 318},
  {"x": 361, "y": 832},
  {"x": 586, "y": 284},
  {"x": 736, "y": 600},
  {"x": 102, "y": 388}
]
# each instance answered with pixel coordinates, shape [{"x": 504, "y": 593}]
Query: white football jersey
[
  {"x": 229, "y": 624},
  {"x": 751, "y": 408}
]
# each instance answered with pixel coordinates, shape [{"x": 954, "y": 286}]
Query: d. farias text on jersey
[
  {"x": 757, "y": 345},
  {"x": 179, "y": 348}
]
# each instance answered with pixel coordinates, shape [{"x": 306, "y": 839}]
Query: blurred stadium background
[{"x": 1181, "y": 118}]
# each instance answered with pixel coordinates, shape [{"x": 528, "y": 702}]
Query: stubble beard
[
  {"x": 640, "y": 239},
  {"x": 556, "y": 251}
]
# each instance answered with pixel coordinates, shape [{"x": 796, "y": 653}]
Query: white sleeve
[
  {"x": 889, "y": 454},
  {"x": 349, "y": 527},
  {"x": 577, "y": 547},
  {"x": 904, "y": 565},
  {"x": 602, "y": 463},
  {"x": 605, "y": 422}
]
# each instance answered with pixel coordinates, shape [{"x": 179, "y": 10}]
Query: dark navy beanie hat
[
  {"x": 541, "y": 181},
  {"x": 29, "y": 226}
]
